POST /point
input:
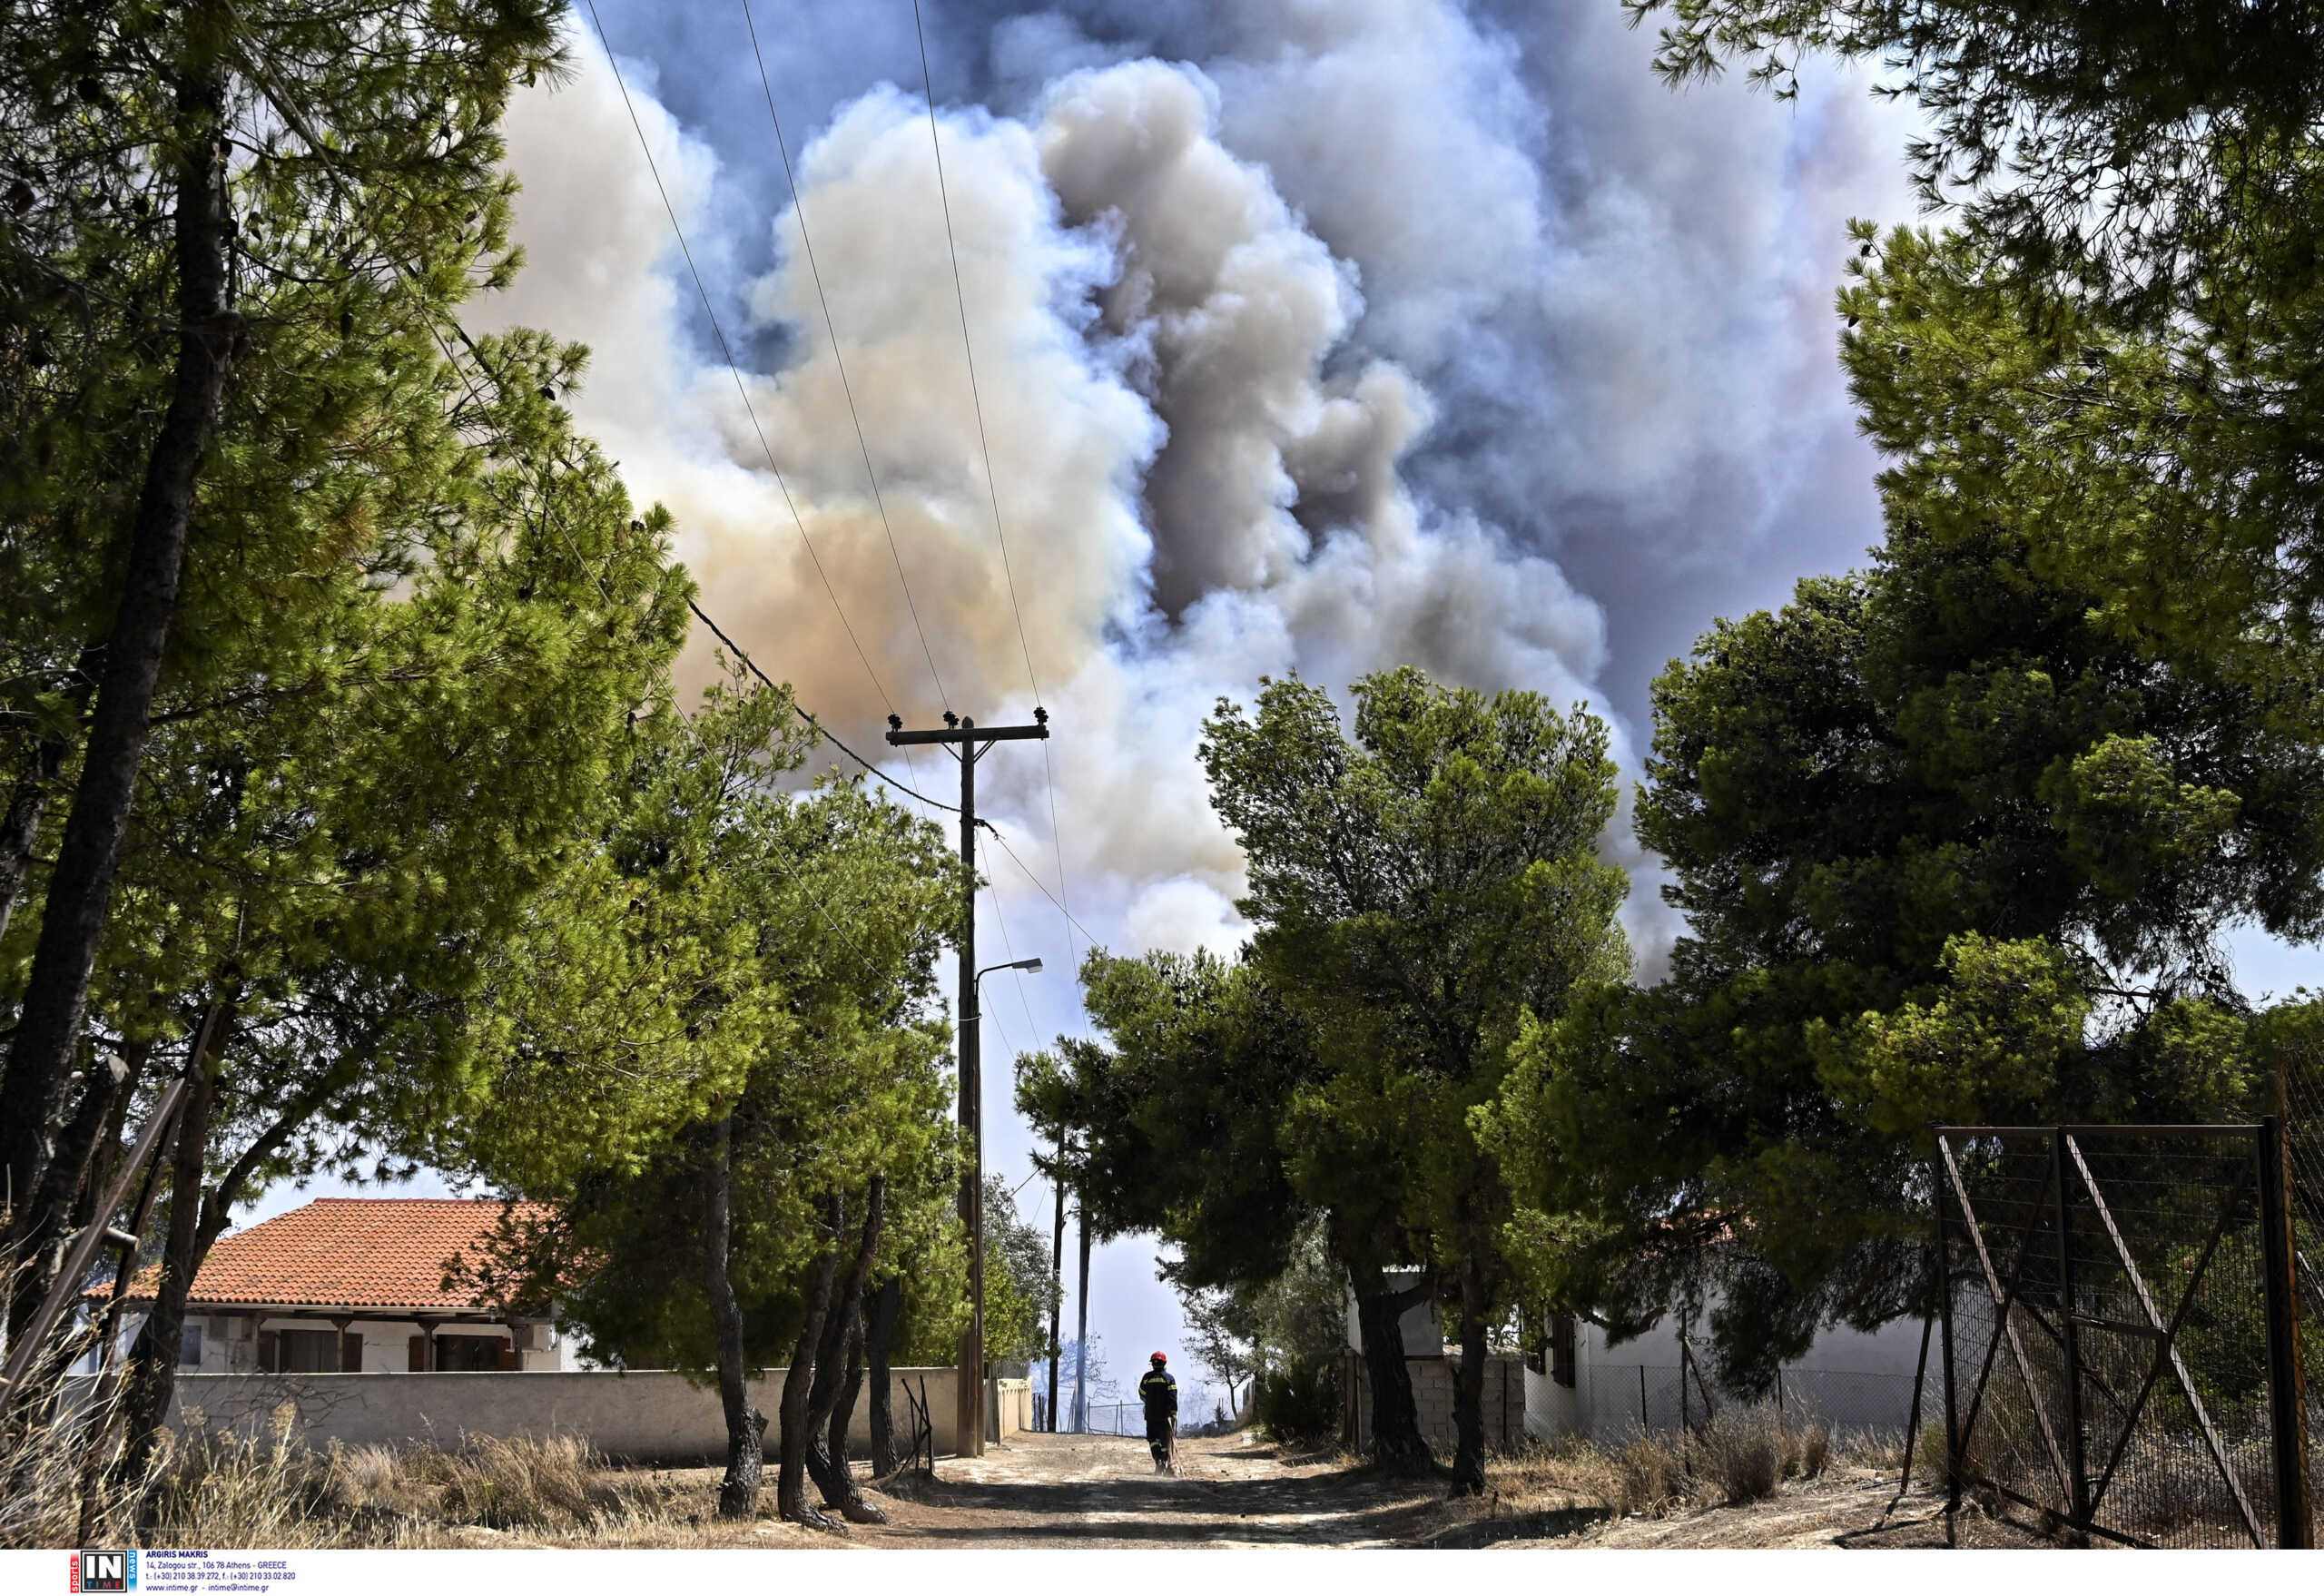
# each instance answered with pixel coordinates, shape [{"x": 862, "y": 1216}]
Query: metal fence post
[
  {"x": 1642, "y": 1399},
  {"x": 2286, "y": 1405},
  {"x": 1778, "y": 1396},
  {"x": 2077, "y": 1472},
  {"x": 1945, "y": 1310}
]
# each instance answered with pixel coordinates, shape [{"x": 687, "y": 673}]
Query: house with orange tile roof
[{"x": 356, "y": 1284}]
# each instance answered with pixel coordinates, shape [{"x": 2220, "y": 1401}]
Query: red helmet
[{"x": 1160, "y": 1358}]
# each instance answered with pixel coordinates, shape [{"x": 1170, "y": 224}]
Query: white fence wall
[{"x": 642, "y": 1415}]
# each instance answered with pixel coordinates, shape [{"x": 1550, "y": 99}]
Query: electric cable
[
  {"x": 733, "y": 367},
  {"x": 991, "y": 483},
  {"x": 847, "y": 389}
]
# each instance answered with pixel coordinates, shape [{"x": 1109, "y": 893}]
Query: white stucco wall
[
  {"x": 1857, "y": 1380},
  {"x": 641, "y": 1415},
  {"x": 229, "y": 1341}
]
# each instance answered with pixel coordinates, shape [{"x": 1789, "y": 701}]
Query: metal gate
[{"x": 2121, "y": 1330}]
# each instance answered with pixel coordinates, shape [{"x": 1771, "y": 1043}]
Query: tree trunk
[
  {"x": 843, "y": 1418},
  {"x": 879, "y": 1342},
  {"x": 833, "y": 1367},
  {"x": 20, "y": 827},
  {"x": 1057, "y": 1279},
  {"x": 738, "y": 1492},
  {"x": 1469, "y": 1388},
  {"x": 80, "y": 888},
  {"x": 1081, "y": 1330},
  {"x": 1397, "y": 1445},
  {"x": 64, "y": 1190},
  {"x": 789, "y": 1479},
  {"x": 153, "y": 1359}
]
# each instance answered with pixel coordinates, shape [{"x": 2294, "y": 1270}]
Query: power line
[
  {"x": 799, "y": 208},
  {"x": 734, "y": 369},
  {"x": 1087, "y": 933},
  {"x": 821, "y": 730},
  {"x": 405, "y": 275},
  {"x": 1007, "y": 946},
  {"x": 991, "y": 483}
]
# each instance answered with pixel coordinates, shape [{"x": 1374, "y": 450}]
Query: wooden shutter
[
  {"x": 350, "y": 1353},
  {"x": 419, "y": 1354},
  {"x": 508, "y": 1353},
  {"x": 270, "y": 1351},
  {"x": 1561, "y": 1348}
]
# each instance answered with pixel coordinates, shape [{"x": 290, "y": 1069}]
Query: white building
[{"x": 349, "y": 1286}]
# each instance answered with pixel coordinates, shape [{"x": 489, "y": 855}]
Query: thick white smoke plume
[
  {"x": 1304, "y": 341},
  {"x": 1311, "y": 334}
]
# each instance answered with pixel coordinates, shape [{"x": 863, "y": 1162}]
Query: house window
[
  {"x": 471, "y": 1353},
  {"x": 1561, "y": 1348},
  {"x": 309, "y": 1351},
  {"x": 189, "y": 1347}
]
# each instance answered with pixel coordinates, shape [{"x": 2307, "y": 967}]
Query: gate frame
[{"x": 2286, "y": 1409}]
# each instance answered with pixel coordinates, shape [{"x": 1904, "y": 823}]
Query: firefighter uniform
[{"x": 1160, "y": 1391}]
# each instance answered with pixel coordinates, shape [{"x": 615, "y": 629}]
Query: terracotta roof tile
[{"x": 350, "y": 1252}]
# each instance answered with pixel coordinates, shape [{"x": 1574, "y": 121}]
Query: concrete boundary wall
[
  {"x": 1503, "y": 1408},
  {"x": 642, "y": 1415}
]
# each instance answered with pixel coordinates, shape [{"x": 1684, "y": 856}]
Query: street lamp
[{"x": 972, "y": 1097}]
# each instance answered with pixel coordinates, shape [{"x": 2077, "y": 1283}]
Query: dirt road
[
  {"x": 1097, "y": 1491},
  {"x": 1232, "y": 1490}
]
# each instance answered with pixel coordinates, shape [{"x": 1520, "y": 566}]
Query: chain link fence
[
  {"x": 1626, "y": 1401},
  {"x": 2118, "y": 1331}
]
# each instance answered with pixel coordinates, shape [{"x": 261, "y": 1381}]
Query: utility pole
[
  {"x": 1057, "y": 1277},
  {"x": 967, "y": 742}
]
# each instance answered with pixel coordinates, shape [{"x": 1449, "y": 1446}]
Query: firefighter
[{"x": 1159, "y": 1392}]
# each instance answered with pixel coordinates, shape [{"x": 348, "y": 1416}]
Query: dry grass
[
  {"x": 231, "y": 1489},
  {"x": 1745, "y": 1454},
  {"x": 59, "y": 1437}
]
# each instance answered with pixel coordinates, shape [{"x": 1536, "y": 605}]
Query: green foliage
[
  {"x": 1953, "y": 844},
  {"x": 1181, "y": 1120},
  {"x": 1019, "y": 1289},
  {"x": 416, "y": 607},
  {"x": 2126, "y": 143},
  {"x": 725, "y": 955},
  {"x": 1420, "y": 892}
]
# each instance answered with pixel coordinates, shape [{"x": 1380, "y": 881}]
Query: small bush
[
  {"x": 1649, "y": 1478},
  {"x": 1745, "y": 1452},
  {"x": 1300, "y": 1400},
  {"x": 1812, "y": 1450},
  {"x": 1741, "y": 1452}
]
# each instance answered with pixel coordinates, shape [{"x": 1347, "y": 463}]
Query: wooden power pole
[
  {"x": 1056, "y": 1278},
  {"x": 965, "y": 741}
]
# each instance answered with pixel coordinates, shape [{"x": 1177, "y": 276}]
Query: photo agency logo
[{"x": 104, "y": 1571}]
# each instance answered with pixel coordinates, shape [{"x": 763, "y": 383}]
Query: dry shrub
[
  {"x": 232, "y": 1489},
  {"x": 1748, "y": 1453},
  {"x": 1649, "y": 1478},
  {"x": 1740, "y": 1451},
  {"x": 229, "y": 1489},
  {"x": 45, "y": 1459},
  {"x": 1812, "y": 1452},
  {"x": 62, "y": 1445}
]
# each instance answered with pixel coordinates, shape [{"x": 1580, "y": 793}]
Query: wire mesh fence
[
  {"x": 2116, "y": 1312},
  {"x": 2299, "y": 1091},
  {"x": 1625, "y": 1401}
]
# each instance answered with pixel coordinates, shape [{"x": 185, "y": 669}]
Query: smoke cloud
[
  {"x": 1308, "y": 336},
  {"x": 1314, "y": 335}
]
